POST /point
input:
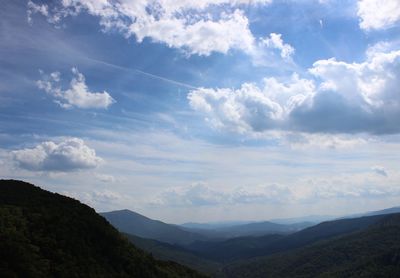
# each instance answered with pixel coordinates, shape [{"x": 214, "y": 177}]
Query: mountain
[
  {"x": 45, "y": 234},
  {"x": 377, "y": 212},
  {"x": 310, "y": 218},
  {"x": 371, "y": 252},
  {"x": 249, "y": 247},
  {"x": 133, "y": 223},
  {"x": 214, "y": 225},
  {"x": 262, "y": 228},
  {"x": 168, "y": 252},
  {"x": 233, "y": 249},
  {"x": 225, "y": 231}
]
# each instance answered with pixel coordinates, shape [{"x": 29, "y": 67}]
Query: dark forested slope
[
  {"x": 43, "y": 234},
  {"x": 371, "y": 252},
  {"x": 176, "y": 253}
]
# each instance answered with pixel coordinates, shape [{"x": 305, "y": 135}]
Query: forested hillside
[
  {"x": 43, "y": 234},
  {"x": 373, "y": 252}
]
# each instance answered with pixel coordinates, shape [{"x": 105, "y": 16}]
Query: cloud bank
[
  {"x": 201, "y": 194},
  {"x": 378, "y": 14},
  {"x": 197, "y": 27},
  {"x": 340, "y": 98},
  {"x": 77, "y": 95},
  {"x": 69, "y": 155},
  {"x": 305, "y": 191}
]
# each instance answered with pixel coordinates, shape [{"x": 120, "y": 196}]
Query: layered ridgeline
[
  {"x": 130, "y": 222},
  {"x": 43, "y": 234},
  {"x": 373, "y": 251},
  {"x": 242, "y": 248},
  {"x": 343, "y": 246},
  {"x": 133, "y": 223}
]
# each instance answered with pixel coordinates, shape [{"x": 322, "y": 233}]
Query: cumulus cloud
[
  {"x": 103, "y": 199},
  {"x": 379, "y": 170},
  {"x": 197, "y": 194},
  {"x": 275, "y": 41},
  {"x": 68, "y": 155},
  {"x": 340, "y": 98},
  {"x": 77, "y": 95},
  {"x": 378, "y": 14},
  {"x": 251, "y": 108},
  {"x": 198, "y": 27}
]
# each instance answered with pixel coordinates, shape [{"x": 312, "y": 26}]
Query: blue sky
[{"x": 204, "y": 110}]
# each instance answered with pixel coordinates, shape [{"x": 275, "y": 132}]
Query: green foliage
[
  {"x": 43, "y": 234},
  {"x": 374, "y": 252}
]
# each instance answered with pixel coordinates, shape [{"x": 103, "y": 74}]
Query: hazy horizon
[{"x": 204, "y": 111}]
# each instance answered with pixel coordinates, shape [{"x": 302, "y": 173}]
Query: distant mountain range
[
  {"x": 316, "y": 219},
  {"x": 377, "y": 212},
  {"x": 130, "y": 222},
  {"x": 133, "y": 223},
  {"x": 248, "y": 247},
  {"x": 373, "y": 251},
  {"x": 214, "y": 225}
]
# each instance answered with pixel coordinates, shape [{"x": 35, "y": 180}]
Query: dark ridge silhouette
[
  {"x": 176, "y": 253},
  {"x": 133, "y": 223},
  {"x": 240, "y": 248},
  {"x": 371, "y": 252},
  {"x": 43, "y": 234}
]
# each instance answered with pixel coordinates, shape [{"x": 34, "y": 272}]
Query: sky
[{"x": 204, "y": 110}]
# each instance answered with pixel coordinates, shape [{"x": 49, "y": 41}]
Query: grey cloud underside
[
  {"x": 331, "y": 113},
  {"x": 340, "y": 98}
]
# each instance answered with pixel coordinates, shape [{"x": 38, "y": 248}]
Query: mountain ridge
[
  {"x": 133, "y": 223},
  {"x": 46, "y": 234}
]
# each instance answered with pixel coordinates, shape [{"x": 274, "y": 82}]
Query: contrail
[{"x": 144, "y": 73}]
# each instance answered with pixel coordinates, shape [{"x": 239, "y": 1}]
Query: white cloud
[
  {"x": 77, "y": 95},
  {"x": 308, "y": 190},
  {"x": 348, "y": 98},
  {"x": 314, "y": 141},
  {"x": 272, "y": 193},
  {"x": 197, "y": 194},
  {"x": 380, "y": 170},
  {"x": 33, "y": 8},
  {"x": 69, "y": 155},
  {"x": 251, "y": 108},
  {"x": 198, "y": 27},
  {"x": 97, "y": 198},
  {"x": 201, "y": 194},
  {"x": 378, "y": 14},
  {"x": 105, "y": 178},
  {"x": 275, "y": 41}
]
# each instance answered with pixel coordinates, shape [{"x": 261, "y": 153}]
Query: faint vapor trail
[{"x": 143, "y": 72}]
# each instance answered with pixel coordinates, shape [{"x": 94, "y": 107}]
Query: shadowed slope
[{"x": 49, "y": 235}]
